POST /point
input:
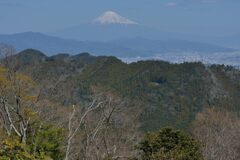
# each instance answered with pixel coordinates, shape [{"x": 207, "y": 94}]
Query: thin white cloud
[
  {"x": 9, "y": 4},
  {"x": 170, "y": 4},
  {"x": 208, "y": 1}
]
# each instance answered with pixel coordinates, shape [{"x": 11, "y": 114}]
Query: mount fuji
[
  {"x": 110, "y": 26},
  {"x": 111, "y": 17},
  {"x": 112, "y": 34}
]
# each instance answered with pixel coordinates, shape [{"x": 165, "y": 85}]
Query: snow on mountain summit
[{"x": 111, "y": 17}]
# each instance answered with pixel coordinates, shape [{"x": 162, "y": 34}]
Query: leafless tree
[
  {"x": 15, "y": 98},
  {"x": 75, "y": 124},
  {"x": 105, "y": 129},
  {"x": 219, "y": 132},
  {"x": 6, "y": 50}
]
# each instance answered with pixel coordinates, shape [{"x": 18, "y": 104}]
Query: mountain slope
[
  {"x": 111, "y": 17},
  {"x": 120, "y": 48},
  {"x": 168, "y": 94},
  {"x": 169, "y": 46},
  {"x": 229, "y": 41},
  {"x": 53, "y": 45}
]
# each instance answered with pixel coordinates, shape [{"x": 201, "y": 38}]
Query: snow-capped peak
[{"x": 111, "y": 17}]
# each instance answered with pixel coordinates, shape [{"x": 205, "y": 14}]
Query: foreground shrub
[{"x": 170, "y": 144}]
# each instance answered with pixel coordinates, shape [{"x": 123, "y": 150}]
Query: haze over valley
[
  {"x": 115, "y": 35},
  {"x": 119, "y": 80}
]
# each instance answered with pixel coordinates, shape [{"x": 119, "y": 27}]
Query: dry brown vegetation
[
  {"x": 107, "y": 128},
  {"x": 219, "y": 133}
]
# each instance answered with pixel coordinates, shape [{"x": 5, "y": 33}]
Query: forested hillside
[
  {"x": 105, "y": 106},
  {"x": 170, "y": 94}
]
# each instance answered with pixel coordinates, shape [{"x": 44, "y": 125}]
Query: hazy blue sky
[{"x": 215, "y": 17}]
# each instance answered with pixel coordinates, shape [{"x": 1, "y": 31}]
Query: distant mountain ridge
[
  {"x": 165, "y": 46},
  {"x": 121, "y": 48},
  {"x": 53, "y": 45}
]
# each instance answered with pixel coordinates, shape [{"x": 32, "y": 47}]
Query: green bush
[
  {"x": 170, "y": 144},
  {"x": 43, "y": 143},
  {"x": 12, "y": 149},
  {"x": 47, "y": 140}
]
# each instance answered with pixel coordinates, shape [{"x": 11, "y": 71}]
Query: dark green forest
[{"x": 129, "y": 108}]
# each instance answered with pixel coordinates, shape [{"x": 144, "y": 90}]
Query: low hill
[{"x": 168, "y": 94}]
